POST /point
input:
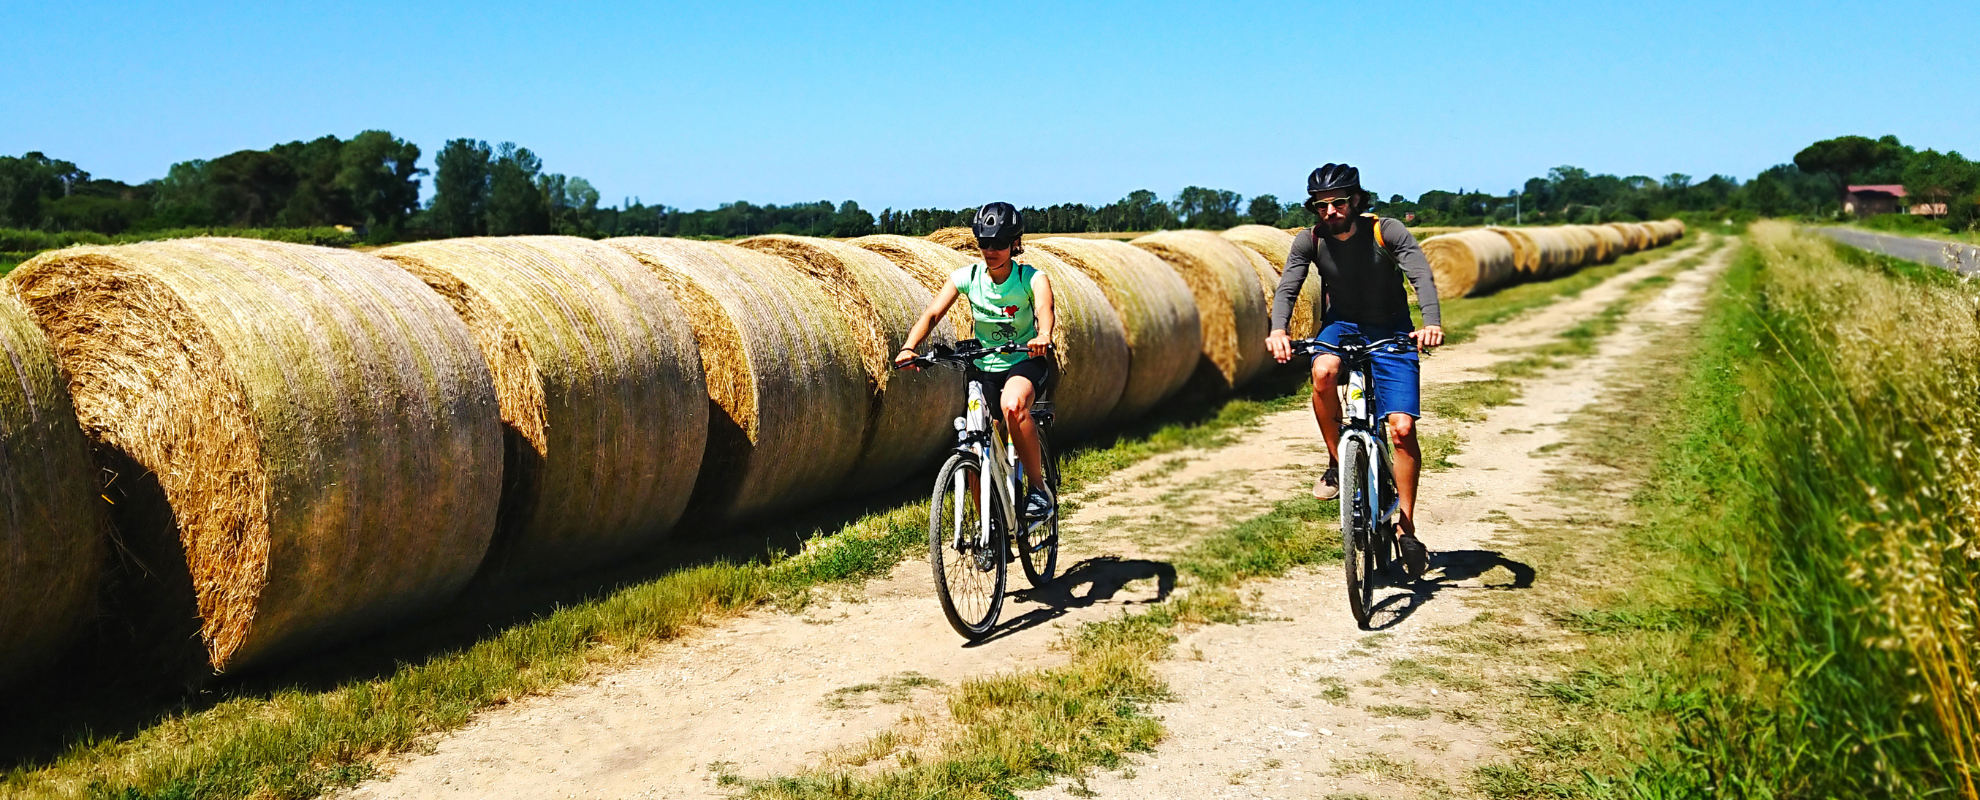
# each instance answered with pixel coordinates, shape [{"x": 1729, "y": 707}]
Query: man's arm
[
  {"x": 1409, "y": 256},
  {"x": 1298, "y": 261}
]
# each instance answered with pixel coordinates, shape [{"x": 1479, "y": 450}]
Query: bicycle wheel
[
  {"x": 1038, "y": 546},
  {"x": 968, "y": 579},
  {"x": 1355, "y": 556}
]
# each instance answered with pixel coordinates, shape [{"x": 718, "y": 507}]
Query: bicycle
[
  {"x": 970, "y": 538},
  {"x": 1368, "y": 539}
]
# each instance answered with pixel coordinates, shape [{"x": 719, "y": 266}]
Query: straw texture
[
  {"x": 52, "y": 524},
  {"x": 930, "y": 265},
  {"x": 1157, "y": 312},
  {"x": 1233, "y": 313},
  {"x": 787, "y": 395},
  {"x": 961, "y": 240},
  {"x": 1275, "y": 245},
  {"x": 1610, "y": 243},
  {"x": 1526, "y": 251},
  {"x": 908, "y": 422},
  {"x": 321, "y": 423},
  {"x": 604, "y": 413},
  {"x": 1091, "y": 346},
  {"x": 1469, "y": 262}
]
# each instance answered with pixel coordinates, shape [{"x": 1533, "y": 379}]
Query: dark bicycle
[
  {"x": 971, "y": 536},
  {"x": 1368, "y": 490}
]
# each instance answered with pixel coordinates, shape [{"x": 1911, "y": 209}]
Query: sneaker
[
  {"x": 1415, "y": 557},
  {"x": 1328, "y": 486},
  {"x": 1037, "y": 504}
]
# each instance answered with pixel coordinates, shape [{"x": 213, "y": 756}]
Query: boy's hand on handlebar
[
  {"x": 1429, "y": 336},
  {"x": 1279, "y": 345},
  {"x": 1038, "y": 346},
  {"x": 905, "y": 360}
]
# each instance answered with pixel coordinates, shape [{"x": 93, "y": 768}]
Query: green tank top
[{"x": 1002, "y": 311}]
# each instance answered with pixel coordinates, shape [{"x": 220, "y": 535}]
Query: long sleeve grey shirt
[{"x": 1360, "y": 279}]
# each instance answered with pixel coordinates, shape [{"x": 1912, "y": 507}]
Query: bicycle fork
[{"x": 1355, "y": 410}]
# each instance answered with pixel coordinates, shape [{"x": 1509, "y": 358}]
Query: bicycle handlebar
[
  {"x": 1310, "y": 347},
  {"x": 971, "y": 350}
]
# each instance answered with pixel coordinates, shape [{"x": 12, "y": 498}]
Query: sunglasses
[
  {"x": 1341, "y": 203},
  {"x": 986, "y": 244}
]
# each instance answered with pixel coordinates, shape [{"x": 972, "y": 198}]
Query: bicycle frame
[
  {"x": 979, "y": 433},
  {"x": 1360, "y": 423}
]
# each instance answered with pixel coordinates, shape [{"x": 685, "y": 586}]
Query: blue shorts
[{"x": 1396, "y": 374}]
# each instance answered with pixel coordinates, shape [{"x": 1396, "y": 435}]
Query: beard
[{"x": 1338, "y": 226}]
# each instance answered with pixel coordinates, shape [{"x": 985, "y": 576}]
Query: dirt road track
[{"x": 772, "y": 693}]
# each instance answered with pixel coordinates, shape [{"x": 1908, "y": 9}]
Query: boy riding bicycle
[
  {"x": 1363, "y": 261},
  {"x": 1010, "y": 303}
]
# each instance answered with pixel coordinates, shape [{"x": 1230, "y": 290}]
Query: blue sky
[{"x": 953, "y": 104}]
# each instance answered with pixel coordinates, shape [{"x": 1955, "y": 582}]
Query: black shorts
[{"x": 1040, "y": 371}]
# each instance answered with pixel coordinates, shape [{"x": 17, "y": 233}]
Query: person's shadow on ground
[
  {"x": 1448, "y": 570},
  {"x": 1103, "y": 578}
]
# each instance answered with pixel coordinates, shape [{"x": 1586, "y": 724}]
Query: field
[{"x": 1641, "y": 595}]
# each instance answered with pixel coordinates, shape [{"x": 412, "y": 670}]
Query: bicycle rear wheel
[
  {"x": 1038, "y": 546},
  {"x": 1356, "y": 558},
  {"x": 968, "y": 579}
]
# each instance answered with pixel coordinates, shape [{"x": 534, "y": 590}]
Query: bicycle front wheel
[
  {"x": 1355, "y": 522},
  {"x": 969, "y": 578},
  {"x": 1038, "y": 545}
]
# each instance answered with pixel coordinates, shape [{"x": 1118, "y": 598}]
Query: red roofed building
[{"x": 1868, "y": 201}]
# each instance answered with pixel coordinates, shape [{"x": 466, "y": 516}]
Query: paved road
[{"x": 1924, "y": 251}]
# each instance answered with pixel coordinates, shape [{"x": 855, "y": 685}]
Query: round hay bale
[
  {"x": 928, "y": 263},
  {"x": 909, "y": 421},
  {"x": 52, "y": 524},
  {"x": 1633, "y": 235},
  {"x": 1091, "y": 346},
  {"x": 1609, "y": 242},
  {"x": 961, "y": 240},
  {"x": 1469, "y": 262},
  {"x": 1157, "y": 312},
  {"x": 604, "y": 414},
  {"x": 1275, "y": 245},
  {"x": 321, "y": 423},
  {"x": 1233, "y": 314},
  {"x": 1556, "y": 251},
  {"x": 787, "y": 395},
  {"x": 1590, "y": 248},
  {"x": 1526, "y": 252}
]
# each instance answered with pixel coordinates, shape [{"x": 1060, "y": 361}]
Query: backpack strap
[{"x": 1377, "y": 222}]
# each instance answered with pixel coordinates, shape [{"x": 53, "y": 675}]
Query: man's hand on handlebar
[
  {"x": 1279, "y": 345},
  {"x": 1429, "y": 336}
]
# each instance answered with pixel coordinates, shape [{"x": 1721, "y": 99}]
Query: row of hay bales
[
  {"x": 298, "y": 444},
  {"x": 1481, "y": 260},
  {"x": 303, "y": 444}
]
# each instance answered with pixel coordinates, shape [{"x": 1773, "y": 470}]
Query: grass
[
  {"x": 1463, "y": 316},
  {"x": 1790, "y": 609}
]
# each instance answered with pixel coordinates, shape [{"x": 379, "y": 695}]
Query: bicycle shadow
[
  {"x": 1449, "y": 570},
  {"x": 1104, "y": 577}
]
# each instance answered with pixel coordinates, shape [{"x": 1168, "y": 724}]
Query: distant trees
[{"x": 372, "y": 182}]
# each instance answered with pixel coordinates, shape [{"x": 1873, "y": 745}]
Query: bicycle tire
[
  {"x": 969, "y": 584},
  {"x": 1355, "y": 556},
  {"x": 1040, "y": 557}
]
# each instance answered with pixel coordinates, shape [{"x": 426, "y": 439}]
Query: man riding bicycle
[
  {"x": 1362, "y": 266},
  {"x": 1010, "y": 302}
]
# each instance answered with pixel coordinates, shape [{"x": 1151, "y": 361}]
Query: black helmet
[
  {"x": 997, "y": 224},
  {"x": 1331, "y": 178}
]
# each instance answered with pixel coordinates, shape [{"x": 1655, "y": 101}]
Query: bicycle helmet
[
  {"x": 997, "y": 226},
  {"x": 1332, "y": 179}
]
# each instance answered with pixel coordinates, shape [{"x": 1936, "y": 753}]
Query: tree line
[{"x": 372, "y": 183}]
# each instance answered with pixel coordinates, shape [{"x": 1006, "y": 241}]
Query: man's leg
[
  {"x": 1408, "y": 466},
  {"x": 1327, "y": 402}
]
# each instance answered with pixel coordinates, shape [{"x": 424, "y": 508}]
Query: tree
[
  {"x": 1854, "y": 159},
  {"x": 851, "y": 220},
  {"x": 517, "y": 204},
  {"x": 460, "y": 187},
  {"x": 1264, "y": 210},
  {"x": 379, "y": 175},
  {"x": 1197, "y": 207},
  {"x": 1940, "y": 177}
]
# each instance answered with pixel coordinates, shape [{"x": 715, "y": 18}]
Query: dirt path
[{"x": 772, "y": 693}]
